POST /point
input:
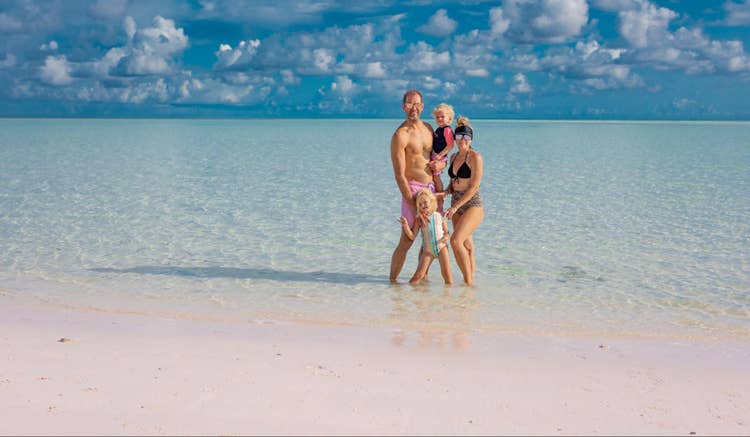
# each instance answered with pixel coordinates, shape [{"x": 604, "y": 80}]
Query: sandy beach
[{"x": 83, "y": 372}]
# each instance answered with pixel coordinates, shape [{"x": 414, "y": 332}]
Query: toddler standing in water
[
  {"x": 442, "y": 143},
  {"x": 435, "y": 237}
]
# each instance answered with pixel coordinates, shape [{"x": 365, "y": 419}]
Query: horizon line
[{"x": 513, "y": 119}]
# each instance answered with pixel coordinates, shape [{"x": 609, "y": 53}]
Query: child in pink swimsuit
[{"x": 442, "y": 143}]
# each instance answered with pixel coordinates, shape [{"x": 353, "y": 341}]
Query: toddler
[
  {"x": 442, "y": 143},
  {"x": 435, "y": 238}
]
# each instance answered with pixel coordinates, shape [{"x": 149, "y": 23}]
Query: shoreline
[{"x": 116, "y": 373}]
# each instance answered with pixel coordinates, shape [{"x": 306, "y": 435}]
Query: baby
[
  {"x": 435, "y": 238},
  {"x": 442, "y": 143}
]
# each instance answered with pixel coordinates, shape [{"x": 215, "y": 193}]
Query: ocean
[{"x": 624, "y": 229}]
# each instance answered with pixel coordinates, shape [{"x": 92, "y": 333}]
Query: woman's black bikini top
[{"x": 464, "y": 172}]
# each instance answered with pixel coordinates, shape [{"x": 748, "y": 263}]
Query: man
[{"x": 411, "y": 146}]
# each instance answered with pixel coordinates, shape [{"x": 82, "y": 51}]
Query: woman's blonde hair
[
  {"x": 462, "y": 121},
  {"x": 444, "y": 107},
  {"x": 426, "y": 192}
]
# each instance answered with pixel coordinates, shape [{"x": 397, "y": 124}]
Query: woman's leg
[
  {"x": 463, "y": 227},
  {"x": 469, "y": 245}
]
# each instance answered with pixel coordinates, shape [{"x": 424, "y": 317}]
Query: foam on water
[{"x": 619, "y": 228}]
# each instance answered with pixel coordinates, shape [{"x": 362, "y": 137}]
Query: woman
[{"x": 466, "y": 211}]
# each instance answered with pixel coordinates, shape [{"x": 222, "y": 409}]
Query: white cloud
[
  {"x": 646, "y": 28},
  {"x": 288, "y": 77},
  {"x": 9, "y": 61},
  {"x": 103, "y": 66},
  {"x": 323, "y": 58},
  {"x": 9, "y": 23},
  {"x": 738, "y": 13},
  {"x": 645, "y": 25},
  {"x": 108, "y": 9},
  {"x": 51, "y": 46},
  {"x": 524, "y": 62},
  {"x": 239, "y": 56},
  {"x": 499, "y": 80},
  {"x": 615, "y": 5},
  {"x": 588, "y": 64},
  {"x": 520, "y": 84},
  {"x": 431, "y": 83},
  {"x": 343, "y": 85},
  {"x": 543, "y": 21},
  {"x": 145, "y": 91},
  {"x": 478, "y": 72},
  {"x": 439, "y": 25},
  {"x": 424, "y": 58},
  {"x": 151, "y": 49},
  {"x": 682, "y": 103},
  {"x": 56, "y": 71},
  {"x": 375, "y": 70},
  {"x": 128, "y": 23},
  {"x": 498, "y": 23}
]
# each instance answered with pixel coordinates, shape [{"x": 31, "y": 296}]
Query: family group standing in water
[{"x": 419, "y": 155}]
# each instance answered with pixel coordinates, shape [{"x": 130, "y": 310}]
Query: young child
[
  {"x": 442, "y": 143},
  {"x": 435, "y": 238}
]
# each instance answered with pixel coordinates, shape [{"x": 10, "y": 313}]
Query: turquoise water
[{"x": 617, "y": 228}]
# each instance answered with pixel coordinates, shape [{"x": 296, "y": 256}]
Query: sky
[{"x": 532, "y": 59}]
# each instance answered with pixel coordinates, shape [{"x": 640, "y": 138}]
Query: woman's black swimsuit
[{"x": 464, "y": 172}]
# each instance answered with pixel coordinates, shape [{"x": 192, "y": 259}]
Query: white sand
[{"x": 132, "y": 374}]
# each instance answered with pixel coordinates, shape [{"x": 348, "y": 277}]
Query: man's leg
[{"x": 399, "y": 256}]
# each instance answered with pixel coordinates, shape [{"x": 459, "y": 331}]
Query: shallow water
[{"x": 617, "y": 228}]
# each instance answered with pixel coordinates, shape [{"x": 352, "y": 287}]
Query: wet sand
[{"x": 66, "y": 371}]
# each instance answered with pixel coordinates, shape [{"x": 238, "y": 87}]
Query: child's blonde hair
[
  {"x": 426, "y": 192},
  {"x": 444, "y": 107}
]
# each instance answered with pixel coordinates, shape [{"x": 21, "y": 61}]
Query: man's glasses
[
  {"x": 463, "y": 137},
  {"x": 412, "y": 104}
]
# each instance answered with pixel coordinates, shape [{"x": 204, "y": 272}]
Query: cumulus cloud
[
  {"x": 590, "y": 66},
  {"x": 288, "y": 77},
  {"x": 478, "y": 72},
  {"x": 439, "y": 25},
  {"x": 738, "y": 14},
  {"x": 646, "y": 29},
  {"x": 343, "y": 85},
  {"x": 543, "y": 21},
  {"x": 150, "y": 49},
  {"x": 56, "y": 71},
  {"x": 498, "y": 23},
  {"x": 431, "y": 83},
  {"x": 239, "y": 56},
  {"x": 323, "y": 59},
  {"x": 424, "y": 58},
  {"x": 375, "y": 70},
  {"x": 645, "y": 25},
  {"x": 520, "y": 84}
]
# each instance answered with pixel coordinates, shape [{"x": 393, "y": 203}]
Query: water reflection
[{"x": 433, "y": 316}]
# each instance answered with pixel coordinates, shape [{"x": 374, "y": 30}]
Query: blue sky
[{"x": 605, "y": 59}]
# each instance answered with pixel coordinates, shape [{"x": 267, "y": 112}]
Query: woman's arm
[
  {"x": 476, "y": 165},
  {"x": 446, "y": 233}
]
